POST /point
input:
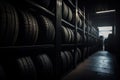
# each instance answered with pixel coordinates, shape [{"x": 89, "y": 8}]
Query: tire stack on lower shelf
[
  {"x": 2, "y": 73},
  {"x": 27, "y": 67},
  {"x": 67, "y": 60}
]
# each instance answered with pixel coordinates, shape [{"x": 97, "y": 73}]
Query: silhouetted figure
[
  {"x": 101, "y": 43},
  {"x": 109, "y": 43}
]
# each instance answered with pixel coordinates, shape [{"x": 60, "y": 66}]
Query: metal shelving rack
[
  {"x": 58, "y": 21},
  {"x": 57, "y": 45}
]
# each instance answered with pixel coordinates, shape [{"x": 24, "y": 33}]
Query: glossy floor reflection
[{"x": 99, "y": 66}]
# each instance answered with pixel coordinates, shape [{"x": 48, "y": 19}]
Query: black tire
[
  {"x": 68, "y": 60},
  {"x": 35, "y": 28},
  {"x": 77, "y": 19},
  {"x": 63, "y": 62},
  {"x": 65, "y": 35},
  {"x": 80, "y": 55},
  {"x": 80, "y": 23},
  {"x": 28, "y": 32},
  {"x": 22, "y": 69},
  {"x": 10, "y": 28},
  {"x": 69, "y": 35},
  {"x": 25, "y": 69},
  {"x": 32, "y": 28},
  {"x": 31, "y": 68},
  {"x": 9, "y": 24},
  {"x": 44, "y": 66},
  {"x": 64, "y": 11},
  {"x": 51, "y": 29},
  {"x": 45, "y": 28},
  {"x": 73, "y": 37},
  {"x": 79, "y": 37},
  {"x": 2, "y": 73},
  {"x": 71, "y": 59},
  {"x": 41, "y": 65},
  {"x": 16, "y": 24},
  {"x": 70, "y": 15},
  {"x": 49, "y": 65}
]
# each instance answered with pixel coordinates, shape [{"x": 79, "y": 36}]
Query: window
[{"x": 105, "y": 31}]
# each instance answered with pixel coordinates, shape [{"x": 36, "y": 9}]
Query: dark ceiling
[
  {"x": 96, "y": 5},
  {"x": 91, "y": 6}
]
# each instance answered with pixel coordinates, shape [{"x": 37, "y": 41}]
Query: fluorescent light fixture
[{"x": 107, "y": 11}]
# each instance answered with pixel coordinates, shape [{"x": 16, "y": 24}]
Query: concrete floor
[{"x": 99, "y": 66}]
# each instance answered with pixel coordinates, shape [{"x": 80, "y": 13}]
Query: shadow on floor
[{"x": 99, "y": 66}]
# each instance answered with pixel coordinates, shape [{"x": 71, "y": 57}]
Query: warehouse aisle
[{"x": 99, "y": 66}]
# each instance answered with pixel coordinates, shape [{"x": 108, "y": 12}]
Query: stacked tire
[
  {"x": 46, "y": 29},
  {"x": 77, "y": 56},
  {"x": 67, "y": 12},
  {"x": 79, "y": 37},
  {"x": 27, "y": 67},
  {"x": 28, "y": 29},
  {"x": 2, "y": 73},
  {"x": 67, "y": 35},
  {"x": 35, "y": 29},
  {"x": 19, "y": 27},
  {"x": 64, "y": 62},
  {"x": 44, "y": 66},
  {"x": 9, "y": 24}
]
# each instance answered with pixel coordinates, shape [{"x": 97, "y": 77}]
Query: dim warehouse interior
[{"x": 59, "y": 40}]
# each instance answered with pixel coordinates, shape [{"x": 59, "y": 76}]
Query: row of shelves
[
  {"x": 58, "y": 19},
  {"x": 54, "y": 48},
  {"x": 62, "y": 20}
]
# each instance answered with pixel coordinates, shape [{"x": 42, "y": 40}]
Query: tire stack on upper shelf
[
  {"x": 20, "y": 27},
  {"x": 67, "y": 30},
  {"x": 80, "y": 27},
  {"x": 68, "y": 14}
]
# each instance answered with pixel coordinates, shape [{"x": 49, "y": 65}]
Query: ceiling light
[{"x": 107, "y": 11}]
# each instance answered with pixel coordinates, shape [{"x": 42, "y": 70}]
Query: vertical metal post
[
  {"x": 114, "y": 24},
  {"x": 75, "y": 32},
  {"x": 58, "y": 17},
  {"x": 84, "y": 20},
  {"x": 88, "y": 24}
]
